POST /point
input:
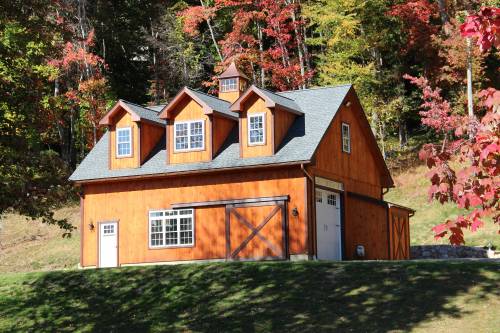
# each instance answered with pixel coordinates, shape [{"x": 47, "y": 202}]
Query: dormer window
[
  {"x": 229, "y": 84},
  {"x": 189, "y": 135},
  {"x": 124, "y": 142},
  {"x": 256, "y": 127}
]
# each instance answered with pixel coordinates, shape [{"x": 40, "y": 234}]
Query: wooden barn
[{"x": 250, "y": 175}]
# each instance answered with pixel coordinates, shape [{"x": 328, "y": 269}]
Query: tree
[
  {"x": 175, "y": 61},
  {"x": 363, "y": 43},
  {"x": 265, "y": 36},
  {"x": 33, "y": 177},
  {"x": 476, "y": 185}
]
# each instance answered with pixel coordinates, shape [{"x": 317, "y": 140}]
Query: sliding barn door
[{"x": 256, "y": 231}]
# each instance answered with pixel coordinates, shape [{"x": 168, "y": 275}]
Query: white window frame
[
  {"x": 118, "y": 130},
  {"x": 177, "y": 217},
  {"x": 346, "y": 138},
  {"x": 227, "y": 85},
  {"x": 189, "y": 135},
  {"x": 250, "y": 115}
]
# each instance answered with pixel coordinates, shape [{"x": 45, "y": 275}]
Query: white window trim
[
  {"x": 189, "y": 135},
  {"x": 120, "y": 129},
  {"x": 163, "y": 218},
  {"x": 263, "y": 115},
  {"x": 222, "y": 89},
  {"x": 348, "y": 127}
]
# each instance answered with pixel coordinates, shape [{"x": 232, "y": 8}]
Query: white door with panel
[
  {"x": 328, "y": 229},
  {"x": 108, "y": 244}
]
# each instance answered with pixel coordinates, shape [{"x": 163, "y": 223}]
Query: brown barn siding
[
  {"x": 130, "y": 201},
  {"x": 123, "y": 119},
  {"x": 150, "y": 136},
  {"x": 255, "y": 104},
  {"x": 358, "y": 170},
  {"x": 221, "y": 129},
  {"x": 366, "y": 224},
  {"x": 282, "y": 122},
  {"x": 187, "y": 110}
]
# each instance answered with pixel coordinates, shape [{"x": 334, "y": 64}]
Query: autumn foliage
[
  {"x": 265, "y": 37},
  {"x": 475, "y": 141}
]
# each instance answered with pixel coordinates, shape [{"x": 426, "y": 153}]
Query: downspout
[{"x": 311, "y": 235}]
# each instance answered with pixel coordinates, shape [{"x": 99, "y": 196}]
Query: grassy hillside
[
  {"x": 411, "y": 191},
  {"x": 33, "y": 246},
  {"x": 257, "y": 297}
]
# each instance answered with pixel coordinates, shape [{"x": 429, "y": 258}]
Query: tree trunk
[
  {"x": 470, "y": 106},
  {"x": 300, "y": 49},
  {"x": 403, "y": 137},
  {"x": 209, "y": 23},
  {"x": 382, "y": 137},
  {"x": 261, "y": 56},
  {"x": 443, "y": 13}
]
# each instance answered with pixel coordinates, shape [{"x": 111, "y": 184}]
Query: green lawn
[{"x": 257, "y": 297}]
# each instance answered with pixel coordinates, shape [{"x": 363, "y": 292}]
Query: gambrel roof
[{"x": 318, "y": 107}]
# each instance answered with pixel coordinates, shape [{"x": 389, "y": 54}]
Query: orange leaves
[{"x": 194, "y": 16}]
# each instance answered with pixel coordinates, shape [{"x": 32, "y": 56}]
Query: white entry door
[
  {"x": 328, "y": 230},
  {"x": 108, "y": 244}
]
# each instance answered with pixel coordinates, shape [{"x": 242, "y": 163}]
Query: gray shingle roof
[
  {"x": 280, "y": 99},
  {"x": 318, "y": 105},
  {"x": 156, "y": 108},
  {"x": 215, "y": 103},
  {"x": 145, "y": 112}
]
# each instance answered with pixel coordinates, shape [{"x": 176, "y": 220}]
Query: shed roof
[{"x": 319, "y": 107}]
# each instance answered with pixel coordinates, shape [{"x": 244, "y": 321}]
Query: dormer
[
  {"x": 197, "y": 126},
  {"x": 232, "y": 83},
  {"x": 264, "y": 120},
  {"x": 134, "y": 131}
]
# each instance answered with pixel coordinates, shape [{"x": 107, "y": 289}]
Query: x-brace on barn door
[{"x": 256, "y": 231}]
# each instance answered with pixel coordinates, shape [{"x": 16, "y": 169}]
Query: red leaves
[
  {"x": 416, "y": 17},
  {"x": 273, "y": 25},
  {"x": 490, "y": 98},
  {"x": 194, "y": 16},
  {"x": 485, "y": 26},
  {"x": 475, "y": 187},
  {"x": 436, "y": 110}
]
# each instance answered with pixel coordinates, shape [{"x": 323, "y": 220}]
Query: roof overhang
[
  {"x": 107, "y": 120},
  {"x": 166, "y": 113},
  {"x": 190, "y": 172},
  {"x": 237, "y": 106},
  {"x": 232, "y": 71}
]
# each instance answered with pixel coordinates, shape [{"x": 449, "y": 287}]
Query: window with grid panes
[{"x": 171, "y": 228}]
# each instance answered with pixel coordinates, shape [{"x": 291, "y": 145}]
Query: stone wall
[{"x": 446, "y": 251}]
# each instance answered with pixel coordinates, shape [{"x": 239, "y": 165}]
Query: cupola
[{"x": 232, "y": 83}]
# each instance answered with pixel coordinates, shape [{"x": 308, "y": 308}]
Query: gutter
[{"x": 182, "y": 173}]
